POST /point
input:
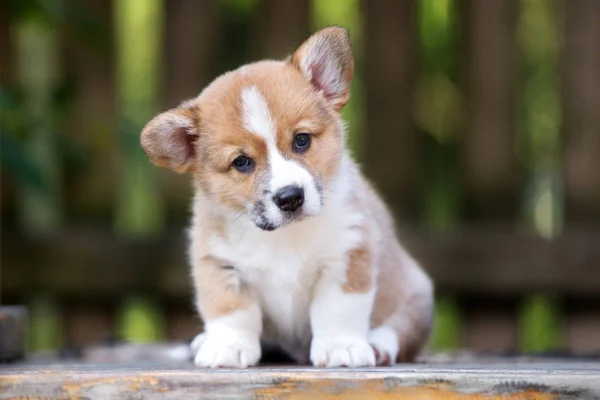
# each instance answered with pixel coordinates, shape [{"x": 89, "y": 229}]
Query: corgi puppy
[{"x": 289, "y": 242}]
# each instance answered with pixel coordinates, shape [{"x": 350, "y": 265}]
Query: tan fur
[
  {"x": 404, "y": 292},
  {"x": 218, "y": 296},
  {"x": 361, "y": 260},
  {"x": 359, "y": 273},
  {"x": 215, "y": 294}
]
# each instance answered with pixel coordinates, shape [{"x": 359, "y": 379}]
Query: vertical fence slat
[
  {"x": 190, "y": 45},
  {"x": 192, "y": 39},
  {"x": 391, "y": 145},
  {"x": 489, "y": 159},
  {"x": 582, "y": 330},
  {"x": 91, "y": 119},
  {"x": 182, "y": 322},
  {"x": 5, "y": 78},
  {"x": 494, "y": 329},
  {"x": 87, "y": 324},
  {"x": 6, "y": 51},
  {"x": 581, "y": 95},
  {"x": 280, "y": 27}
]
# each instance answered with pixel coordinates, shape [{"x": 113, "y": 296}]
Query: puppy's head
[{"x": 266, "y": 139}]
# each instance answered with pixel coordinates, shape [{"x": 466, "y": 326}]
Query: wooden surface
[
  {"x": 473, "y": 260},
  {"x": 452, "y": 381},
  {"x": 165, "y": 370}
]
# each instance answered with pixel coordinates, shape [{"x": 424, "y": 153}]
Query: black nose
[{"x": 289, "y": 198}]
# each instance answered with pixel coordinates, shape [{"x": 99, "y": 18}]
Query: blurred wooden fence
[{"x": 479, "y": 121}]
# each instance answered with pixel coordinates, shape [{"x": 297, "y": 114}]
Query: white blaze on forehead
[
  {"x": 258, "y": 120},
  {"x": 256, "y": 115}
]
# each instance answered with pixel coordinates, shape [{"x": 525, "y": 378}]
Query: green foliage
[
  {"x": 45, "y": 330},
  {"x": 438, "y": 114},
  {"x": 141, "y": 320},
  {"x": 241, "y": 8},
  {"x": 73, "y": 14},
  {"x": 139, "y": 209},
  {"x": 338, "y": 12},
  {"x": 540, "y": 322},
  {"x": 540, "y": 116},
  {"x": 438, "y": 35},
  {"x": 539, "y": 144},
  {"x": 34, "y": 153},
  {"x": 441, "y": 193},
  {"x": 19, "y": 163},
  {"x": 15, "y": 133},
  {"x": 438, "y": 100},
  {"x": 15, "y": 158},
  {"x": 37, "y": 62},
  {"x": 446, "y": 333}
]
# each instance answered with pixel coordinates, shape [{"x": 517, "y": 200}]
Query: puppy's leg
[
  {"x": 403, "y": 333},
  {"x": 340, "y": 313},
  {"x": 232, "y": 317}
]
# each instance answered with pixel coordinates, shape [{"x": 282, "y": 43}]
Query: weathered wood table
[{"x": 437, "y": 377}]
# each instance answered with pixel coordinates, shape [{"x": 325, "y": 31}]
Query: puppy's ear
[
  {"x": 326, "y": 60},
  {"x": 169, "y": 139}
]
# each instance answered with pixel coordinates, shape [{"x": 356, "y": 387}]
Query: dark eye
[
  {"x": 243, "y": 164},
  {"x": 301, "y": 142}
]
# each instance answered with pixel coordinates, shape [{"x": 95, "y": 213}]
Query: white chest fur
[{"x": 282, "y": 266}]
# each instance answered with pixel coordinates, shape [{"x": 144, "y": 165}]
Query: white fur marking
[
  {"x": 385, "y": 341},
  {"x": 288, "y": 172},
  {"x": 340, "y": 324},
  {"x": 256, "y": 114},
  {"x": 230, "y": 341}
]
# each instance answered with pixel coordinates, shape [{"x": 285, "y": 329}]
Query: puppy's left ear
[{"x": 326, "y": 60}]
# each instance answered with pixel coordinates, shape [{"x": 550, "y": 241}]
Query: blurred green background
[{"x": 479, "y": 120}]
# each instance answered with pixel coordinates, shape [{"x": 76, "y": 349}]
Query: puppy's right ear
[{"x": 169, "y": 139}]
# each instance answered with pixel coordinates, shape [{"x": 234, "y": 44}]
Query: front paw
[
  {"x": 213, "y": 351},
  {"x": 345, "y": 351}
]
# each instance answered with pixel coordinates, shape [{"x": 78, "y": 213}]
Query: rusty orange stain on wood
[
  {"x": 376, "y": 389},
  {"x": 134, "y": 383},
  {"x": 11, "y": 379}
]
